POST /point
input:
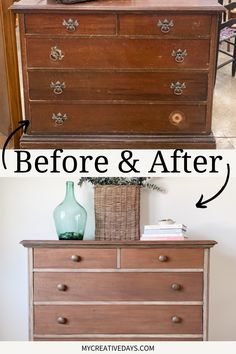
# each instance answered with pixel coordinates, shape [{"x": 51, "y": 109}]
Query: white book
[
  {"x": 173, "y": 238},
  {"x": 163, "y": 236},
  {"x": 165, "y": 226},
  {"x": 163, "y": 231}
]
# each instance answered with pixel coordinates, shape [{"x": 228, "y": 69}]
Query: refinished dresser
[
  {"x": 137, "y": 290},
  {"x": 118, "y": 74}
]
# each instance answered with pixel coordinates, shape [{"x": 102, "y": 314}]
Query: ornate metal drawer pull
[
  {"x": 165, "y": 25},
  {"x": 178, "y": 87},
  {"x": 57, "y": 87},
  {"x": 179, "y": 55},
  {"x": 56, "y": 54},
  {"x": 70, "y": 24},
  {"x": 59, "y": 118}
]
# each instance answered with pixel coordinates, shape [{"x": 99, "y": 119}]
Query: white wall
[{"x": 26, "y": 207}]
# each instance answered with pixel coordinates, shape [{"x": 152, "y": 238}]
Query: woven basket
[{"x": 117, "y": 212}]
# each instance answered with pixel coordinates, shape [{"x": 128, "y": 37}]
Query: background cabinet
[{"x": 10, "y": 107}]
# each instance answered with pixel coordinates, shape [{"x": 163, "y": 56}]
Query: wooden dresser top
[
  {"x": 122, "y": 244},
  {"x": 120, "y": 5}
]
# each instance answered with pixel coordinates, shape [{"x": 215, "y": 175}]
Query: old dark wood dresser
[
  {"x": 111, "y": 290},
  {"x": 118, "y": 74}
]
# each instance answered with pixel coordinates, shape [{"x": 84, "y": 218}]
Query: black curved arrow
[
  {"x": 201, "y": 203},
  {"x": 23, "y": 124}
]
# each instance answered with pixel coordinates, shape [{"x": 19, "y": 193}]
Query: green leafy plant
[{"x": 118, "y": 181}]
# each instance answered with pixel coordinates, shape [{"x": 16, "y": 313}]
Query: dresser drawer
[
  {"x": 162, "y": 258},
  {"x": 70, "y": 24},
  {"x": 162, "y": 86},
  {"x": 119, "y": 319},
  {"x": 118, "y": 286},
  {"x": 167, "y": 25},
  {"x": 90, "y": 53},
  {"x": 74, "y": 258},
  {"x": 117, "y": 118}
]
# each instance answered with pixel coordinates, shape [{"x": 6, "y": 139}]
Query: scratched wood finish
[
  {"x": 118, "y": 287},
  {"x": 61, "y": 258},
  {"x": 121, "y": 5},
  {"x": 116, "y": 118},
  {"x": 119, "y": 319},
  {"x": 112, "y": 86},
  {"x": 176, "y": 258},
  {"x": 87, "y": 24},
  {"x": 120, "y": 39},
  {"x": 183, "y": 26},
  {"x": 119, "y": 53}
]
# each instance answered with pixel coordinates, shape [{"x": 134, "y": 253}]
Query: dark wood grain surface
[
  {"x": 106, "y": 85},
  {"x": 122, "y": 5}
]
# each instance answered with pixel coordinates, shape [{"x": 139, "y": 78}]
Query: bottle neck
[{"x": 70, "y": 194}]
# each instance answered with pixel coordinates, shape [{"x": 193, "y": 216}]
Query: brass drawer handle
[
  {"x": 165, "y": 25},
  {"x": 176, "y": 286},
  {"x": 59, "y": 118},
  {"x": 178, "y": 88},
  {"x": 75, "y": 258},
  {"x": 57, "y": 87},
  {"x": 70, "y": 24},
  {"x": 56, "y": 54},
  {"x": 176, "y": 319},
  {"x": 179, "y": 55},
  {"x": 61, "y": 320},
  {"x": 61, "y": 287},
  {"x": 163, "y": 258}
]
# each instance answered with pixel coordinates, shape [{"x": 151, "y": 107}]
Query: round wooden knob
[
  {"x": 163, "y": 258},
  {"x": 176, "y": 286},
  {"x": 61, "y": 287},
  {"x": 61, "y": 320},
  {"x": 75, "y": 258},
  {"x": 176, "y": 319},
  {"x": 177, "y": 118}
]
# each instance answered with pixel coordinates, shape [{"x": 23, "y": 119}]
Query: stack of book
[{"x": 164, "y": 232}]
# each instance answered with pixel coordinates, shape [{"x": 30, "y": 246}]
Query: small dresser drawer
[
  {"x": 117, "y": 118},
  {"x": 118, "y": 53},
  {"x": 70, "y": 24},
  {"x": 162, "y": 86},
  {"x": 167, "y": 25},
  {"x": 162, "y": 258},
  {"x": 118, "y": 286},
  {"x": 74, "y": 258},
  {"x": 119, "y": 319}
]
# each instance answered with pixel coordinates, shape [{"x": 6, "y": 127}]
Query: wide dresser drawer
[
  {"x": 74, "y": 258},
  {"x": 118, "y": 286},
  {"x": 118, "y": 53},
  {"x": 165, "y": 25},
  {"x": 83, "y": 85},
  {"x": 117, "y": 118},
  {"x": 162, "y": 258},
  {"x": 119, "y": 319},
  {"x": 70, "y": 24}
]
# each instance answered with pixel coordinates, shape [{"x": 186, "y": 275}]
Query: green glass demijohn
[{"x": 70, "y": 217}]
